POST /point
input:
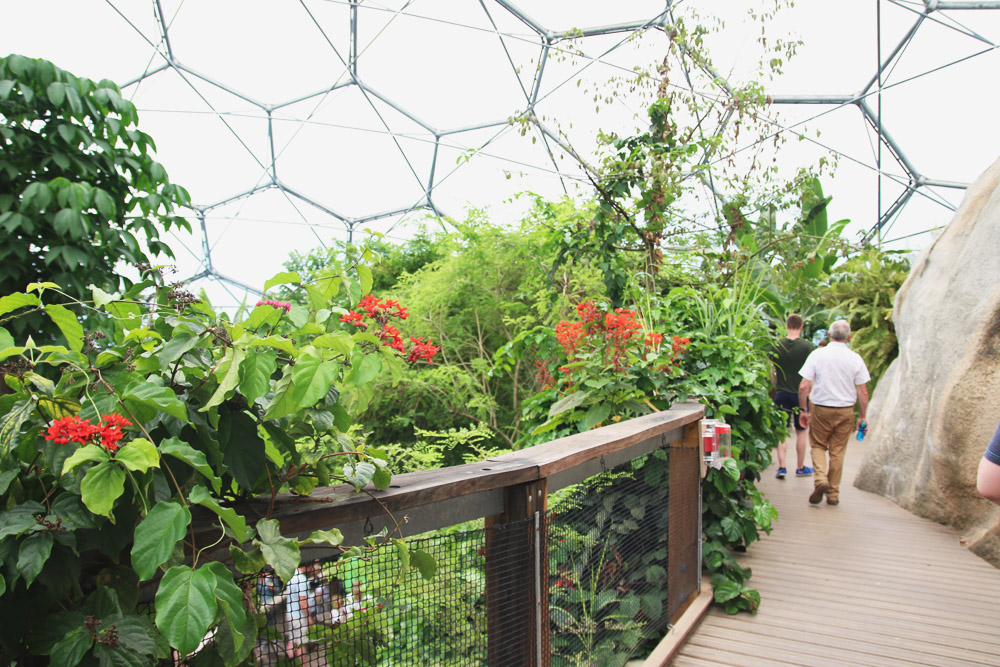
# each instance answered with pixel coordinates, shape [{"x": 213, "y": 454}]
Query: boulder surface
[{"x": 937, "y": 406}]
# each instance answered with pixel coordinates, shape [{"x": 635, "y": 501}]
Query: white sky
[{"x": 448, "y": 63}]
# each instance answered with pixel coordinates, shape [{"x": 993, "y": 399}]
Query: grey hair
[{"x": 840, "y": 330}]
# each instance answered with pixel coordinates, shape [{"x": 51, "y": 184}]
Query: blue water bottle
[{"x": 862, "y": 429}]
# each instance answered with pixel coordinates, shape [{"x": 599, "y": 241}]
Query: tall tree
[{"x": 79, "y": 188}]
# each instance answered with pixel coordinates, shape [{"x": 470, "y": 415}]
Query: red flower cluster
[
  {"x": 543, "y": 377},
  {"x": 282, "y": 305},
  {"x": 381, "y": 311},
  {"x": 73, "y": 429},
  {"x": 569, "y": 335},
  {"x": 653, "y": 340},
  {"x": 422, "y": 350}
]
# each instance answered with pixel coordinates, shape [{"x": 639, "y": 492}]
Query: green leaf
[
  {"x": 366, "y": 369},
  {"x": 19, "y": 519},
  {"x": 278, "y": 343},
  {"x": 69, "y": 651},
  {"x": 424, "y": 563},
  {"x": 159, "y": 398},
  {"x": 244, "y": 450},
  {"x": 185, "y": 606},
  {"x": 31, "y": 557},
  {"x": 333, "y": 537},
  {"x": 68, "y": 325},
  {"x": 6, "y": 340},
  {"x": 230, "y": 600},
  {"x": 341, "y": 343},
  {"x": 281, "y": 553},
  {"x": 365, "y": 278},
  {"x": 184, "y": 452},
  {"x": 247, "y": 562},
  {"x": 199, "y": 495},
  {"x": 359, "y": 474},
  {"x": 727, "y": 589},
  {"x": 10, "y": 425},
  {"x": 282, "y": 278},
  {"x": 403, "y": 555},
  {"x": 12, "y": 302},
  {"x": 568, "y": 402},
  {"x": 156, "y": 535},
  {"x": 138, "y": 455},
  {"x": 101, "y": 487},
  {"x": 311, "y": 379},
  {"x": 84, "y": 454},
  {"x": 233, "y": 358},
  {"x": 596, "y": 415},
  {"x": 255, "y": 374},
  {"x": 382, "y": 479}
]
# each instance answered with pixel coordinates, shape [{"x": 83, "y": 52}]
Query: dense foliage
[
  {"x": 111, "y": 446},
  {"x": 79, "y": 188}
]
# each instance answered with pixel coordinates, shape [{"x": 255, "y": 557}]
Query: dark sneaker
[
  {"x": 804, "y": 471},
  {"x": 781, "y": 473},
  {"x": 817, "y": 494}
]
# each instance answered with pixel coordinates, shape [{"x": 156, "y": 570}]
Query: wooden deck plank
[{"x": 863, "y": 583}]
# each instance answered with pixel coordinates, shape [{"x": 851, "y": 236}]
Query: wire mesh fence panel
[{"x": 607, "y": 549}]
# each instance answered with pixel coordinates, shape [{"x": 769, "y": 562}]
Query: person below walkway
[
  {"x": 834, "y": 378},
  {"x": 788, "y": 355}
]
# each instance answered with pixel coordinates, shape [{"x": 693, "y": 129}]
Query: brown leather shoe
[
  {"x": 833, "y": 501},
  {"x": 817, "y": 494}
]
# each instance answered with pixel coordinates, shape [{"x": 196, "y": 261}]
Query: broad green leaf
[
  {"x": 260, "y": 316},
  {"x": 596, "y": 415},
  {"x": 359, "y": 474},
  {"x": 341, "y": 343},
  {"x": 333, "y": 537},
  {"x": 311, "y": 379},
  {"x": 31, "y": 557},
  {"x": 281, "y": 553},
  {"x": 278, "y": 343},
  {"x": 58, "y": 407},
  {"x": 185, "y": 606},
  {"x": 382, "y": 479},
  {"x": 156, "y": 535},
  {"x": 6, "y": 340},
  {"x": 230, "y": 600},
  {"x": 424, "y": 563},
  {"x": 135, "y": 633},
  {"x": 726, "y": 589},
  {"x": 200, "y": 496},
  {"x": 10, "y": 425},
  {"x": 402, "y": 555},
  {"x": 365, "y": 278},
  {"x": 255, "y": 374},
  {"x": 175, "y": 348},
  {"x": 138, "y": 455},
  {"x": 101, "y": 487},
  {"x": 568, "y": 402},
  {"x": 283, "y": 278},
  {"x": 84, "y": 454},
  {"x": 244, "y": 449},
  {"x": 159, "y": 398},
  {"x": 247, "y": 562},
  {"x": 69, "y": 651},
  {"x": 234, "y": 357},
  {"x": 101, "y": 298},
  {"x": 366, "y": 369},
  {"x": 12, "y": 302},
  {"x": 19, "y": 519},
  {"x": 68, "y": 325},
  {"x": 191, "y": 456}
]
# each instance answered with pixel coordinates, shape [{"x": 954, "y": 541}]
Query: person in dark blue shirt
[{"x": 988, "y": 479}]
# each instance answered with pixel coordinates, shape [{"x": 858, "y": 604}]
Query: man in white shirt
[{"x": 834, "y": 378}]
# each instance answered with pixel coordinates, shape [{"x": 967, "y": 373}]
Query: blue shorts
[
  {"x": 788, "y": 402},
  {"x": 993, "y": 450}
]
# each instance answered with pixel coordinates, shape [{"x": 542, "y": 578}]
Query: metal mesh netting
[
  {"x": 600, "y": 557},
  {"x": 608, "y": 563}
]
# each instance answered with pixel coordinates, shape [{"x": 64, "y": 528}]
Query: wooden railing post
[
  {"x": 517, "y": 578},
  {"x": 684, "y": 527}
]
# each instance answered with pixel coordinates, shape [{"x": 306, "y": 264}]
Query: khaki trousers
[{"x": 829, "y": 431}]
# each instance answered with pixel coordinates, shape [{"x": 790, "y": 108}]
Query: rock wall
[{"x": 938, "y": 404}]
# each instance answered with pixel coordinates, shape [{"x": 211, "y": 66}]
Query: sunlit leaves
[{"x": 156, "y": 535}]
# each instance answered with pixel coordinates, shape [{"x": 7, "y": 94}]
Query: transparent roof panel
[{"x": 296, "y": 123}]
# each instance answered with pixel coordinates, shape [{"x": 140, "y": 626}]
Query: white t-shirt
[{"x": 836, "y": 371}]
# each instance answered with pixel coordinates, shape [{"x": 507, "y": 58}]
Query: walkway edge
[{"x": 684, "y": 628}]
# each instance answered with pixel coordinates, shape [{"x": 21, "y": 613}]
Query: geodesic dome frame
[{"x": 429, "y": 154}]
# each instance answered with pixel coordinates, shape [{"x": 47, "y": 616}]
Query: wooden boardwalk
[{"x": 862, "y": 583}]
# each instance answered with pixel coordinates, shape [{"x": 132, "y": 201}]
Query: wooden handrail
[{"x": 336, "y": 505}]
